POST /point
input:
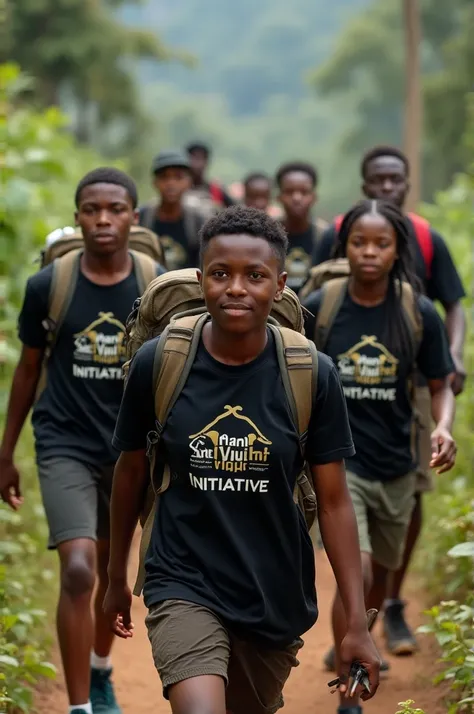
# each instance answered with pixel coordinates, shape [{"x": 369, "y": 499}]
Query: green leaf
[
  {"x": 462, "y": 550},
  {"x": 9, "y": 661}
]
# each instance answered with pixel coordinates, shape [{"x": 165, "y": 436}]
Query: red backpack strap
[
  {"x": 425, "y": 240},
  {"x": 338, "y": 222},
  {"x": 216, "y": 192}
]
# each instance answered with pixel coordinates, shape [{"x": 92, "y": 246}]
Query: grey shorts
[
  {"x": 383, "y": 512},
  {"x": 188, "y": 640},
  {"x": 424, "y": 475},
  {"x": 76, "y": 498}
]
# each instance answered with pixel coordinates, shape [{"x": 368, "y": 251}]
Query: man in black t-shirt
[
  {"x": 230, "y": 581},
  {"x": 297, "y": 182},
  {"x": 73, "y": 420},
  {"x": 177, "y": 224},
  {"x": 385, "y": 175}
]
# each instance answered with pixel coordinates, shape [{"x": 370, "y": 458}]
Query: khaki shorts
[
  {"x": 189, "y": 640},
  {"x": 424, "y": 481},
  {"x": 383, "y": 512}
]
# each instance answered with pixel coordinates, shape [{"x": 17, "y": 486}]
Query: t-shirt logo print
[
  {"x": 233, "y": 444},
  {"x": 365, "y": 367},
  {"x": 101, "y": 345}
]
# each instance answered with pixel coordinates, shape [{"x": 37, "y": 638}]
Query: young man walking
[
  {"x": 176, "y": 222},
  {"x": 385, "y": 174},
  {"x": 297, "y": 183},
  {"x": 74, "y": 417}
]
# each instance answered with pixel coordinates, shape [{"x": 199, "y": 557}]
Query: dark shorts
[
  {"x": 76, "y": 498},
  {"x": 189, "y": 640}
]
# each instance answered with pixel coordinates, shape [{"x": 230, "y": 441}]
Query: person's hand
[
  {"x": 117, "y": 605},
  {"x": 459, "y": 376},
  {"x": 10, "y": 483},
  {"x": 443, "y": 450},
  {"x": 359, "y": 646}
]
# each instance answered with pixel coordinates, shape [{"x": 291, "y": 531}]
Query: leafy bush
[
  {"x": 452, "y": 623},
  {"x": 40, "y": 169},
  {"x": 407, "y": 708}
]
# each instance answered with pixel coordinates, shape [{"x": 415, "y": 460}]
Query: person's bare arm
[
  {"x": 22, "y": 395},
  {"x": 338, "y": 526},
  {"x": 128, "y": 494},
  {"x": 455, "y": 323},
  {"x": 443, "y": 408}
]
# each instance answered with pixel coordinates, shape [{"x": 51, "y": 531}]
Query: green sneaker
[{"x": 102, "y": 692}]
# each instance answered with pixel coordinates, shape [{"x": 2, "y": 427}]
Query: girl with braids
[{"x": 375, "y": 326}]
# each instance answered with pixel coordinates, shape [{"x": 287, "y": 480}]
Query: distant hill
[{"x": 248, "y": 50}]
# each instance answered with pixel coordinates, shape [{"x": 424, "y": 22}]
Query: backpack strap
[
  {"x": 338, "y": 222},
  {"x": 63, "y": 285},
  {"x": 298, "y": 361},
  {"x": 174, "y": 357},
  {"x": 216, "y": 193},
  {"x": 145, "y": 269},
  {"x": 149, "y": 214},
  {"x": 425, "y": 240},
  {"x": 332, "y": 296}
]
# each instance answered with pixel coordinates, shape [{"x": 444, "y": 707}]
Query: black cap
[
  {"x": 198, "y": 146},
  {"x": 168, "y": 160}
]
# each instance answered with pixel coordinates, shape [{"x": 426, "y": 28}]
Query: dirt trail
[{"x": 139, "y": 692}]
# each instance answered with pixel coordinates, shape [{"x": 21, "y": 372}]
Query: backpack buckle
[{"x": 153, "y": 438}]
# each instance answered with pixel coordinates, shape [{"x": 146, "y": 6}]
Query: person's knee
[{"x": 77, "y": 575}]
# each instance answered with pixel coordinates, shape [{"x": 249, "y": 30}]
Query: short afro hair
[
  {"x": 238, "y": 220},
  {"x": 297, "y": 166},
  {"x": 199, "y": 146},
  {"x": 377, "y": 152},
  {"x": 256, "y": 176},
  {"x": 107, "y": 174}
]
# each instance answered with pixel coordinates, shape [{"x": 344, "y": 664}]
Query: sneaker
[
  {"x": 400, "y": 639},
  {"x": 330, "y": 662},
  {"x": 102, "y": 692}
]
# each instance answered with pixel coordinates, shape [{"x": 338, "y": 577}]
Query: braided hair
[{"x": 397, "y": 334}]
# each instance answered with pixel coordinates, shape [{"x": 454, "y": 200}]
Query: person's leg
[
  {"x": 414, "y": 530},
  {"x": 395, "y": 528},
  {"x": 191, "y": 651},
  {"x": 70, "y": 501},
  {"x": 101, "y": 691},
  {"x": 257, "y": 676},
  {"x": 74, "y": 617}
]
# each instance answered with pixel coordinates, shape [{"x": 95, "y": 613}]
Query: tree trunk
[{"x": 413, "y": 98}]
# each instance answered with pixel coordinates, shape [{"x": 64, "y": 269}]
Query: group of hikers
[{"x": 244, "y": 386}]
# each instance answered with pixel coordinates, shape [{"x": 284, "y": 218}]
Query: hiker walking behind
[
  {"x": 229, "y": 576},
  {"x": 375, "y": 327},
  {"x": 72, "y": 324}
]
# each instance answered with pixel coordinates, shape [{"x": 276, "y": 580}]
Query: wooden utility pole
[{"x": 413, "y": 125}]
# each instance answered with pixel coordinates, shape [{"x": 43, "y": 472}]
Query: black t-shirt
[
  {"x": 178, "y": 251},
  {"x": 298, "y": 260},
  {"x": 375, "y": 381},
  {"x": 444, "y": 283},
  {"x": 75, "y": 415},
  {"x": 227, "y": 533}
]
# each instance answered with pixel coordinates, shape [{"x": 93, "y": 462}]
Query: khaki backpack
[
  {"x": 63, "y": 286},
  {"x": 322, "y": 273},
  {"x": 173, "y": 306},
  {"x": 140, "y": 240}
]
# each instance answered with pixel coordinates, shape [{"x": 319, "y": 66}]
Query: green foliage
[
  {"x": 84, "y": 62},
  {"x": 450, "y": 511},
  {"x": 407, "y": 708},
  {"x": 40, "y": 168},
  {"x": 368, "y": 70},
  {"x": 452, "y": 623}
]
